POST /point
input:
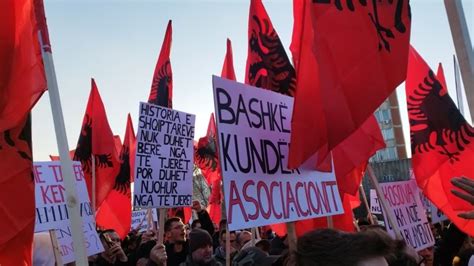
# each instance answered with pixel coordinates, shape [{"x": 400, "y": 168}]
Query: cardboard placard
[
  {"x": 374, "y": 203},
  {"x": 405, "y": 203},
  {"x": 254, "y": 132},
  {"x": 51, "y": 211},
  {"x": 164, "y": 158}
]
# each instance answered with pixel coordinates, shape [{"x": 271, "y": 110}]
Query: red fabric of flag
[
  {"x": 162, "y": 86},
  {"x": 228, "y": 67},
  {"x": 207, "y": 159},
  {"x": 42, "y": 25},
  {"x": 361, "y": 49},
  {"x": 96, "y": 139},
  {"x": 442, "y": 142},
  {"x": 268, "y": 65},
  {"x": 22, "y": 77},
  {"x": 22, "y": 82},
  {"x": 116, "y": 210},
  {"x": 17, "y": 195}
]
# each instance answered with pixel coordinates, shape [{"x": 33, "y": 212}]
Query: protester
[
  {"x": 176, "y": 245},
  {"x": 216, "y": 235},
  {"x": 330, "y": 247},
  {"x": 242, "y": 238},
  {"x": 113, "y": 253},
  {"x": 196, "y": 224},
  {"x": 220, "y": 252},
  {"x": 200, "y": 250}
]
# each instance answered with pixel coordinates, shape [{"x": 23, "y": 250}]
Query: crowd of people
[
  {"x": 204, "y": 243},
  {"x": 201, "y": 244}
]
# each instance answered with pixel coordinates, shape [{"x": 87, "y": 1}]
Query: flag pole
[
  {"x": 463, "y": 47},
  {"x": 366, "y": 203},
  {"x": 94, "y": 195},
  {"x": 54, "y": 242},
  {"x": 161, "y": 229},
  {"x": 330, "y": 222},
  {"x": 66, "y": 162},
  {"x": 291, "y": 231},
  {"x": 383, "y": 202}
]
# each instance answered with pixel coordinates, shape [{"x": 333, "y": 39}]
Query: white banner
[
  {"x": 254, "y": 132},
  {"x": 404, "y": 201},
  {"x": 164, "y": 158},
  {"x": 374, "y": 203},
  {"x": 51, "y": 211},
  {"x": 140, "y": 219}
]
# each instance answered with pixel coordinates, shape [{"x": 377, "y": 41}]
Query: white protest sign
[
  {"x": 92, "y": 241},
  {"x": 374, "y": 203},
  {"x": 51, "y": 211},
  {"x": 405, "y": 203},
  {"x": 140, "y": 219},
  {"x": 164, "y": 158},
  {"x": 50, "y": 195},
  {"x": 254, "y": 132}
]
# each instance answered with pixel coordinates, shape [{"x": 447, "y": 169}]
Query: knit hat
[{"x": 199, "y": 238}]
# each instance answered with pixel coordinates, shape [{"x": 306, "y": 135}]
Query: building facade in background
[{"x": 388, "y": 117}]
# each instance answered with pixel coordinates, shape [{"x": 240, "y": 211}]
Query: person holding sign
[{"x": 113, "y": 254}]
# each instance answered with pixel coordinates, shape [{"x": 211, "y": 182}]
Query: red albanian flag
[
  {"x": 96, "y": 140},
  {"x": 442, "y": 142},
  {"x": 162, "y": 86},
  {"x": 355, "y": 59},
  {"x": 116, "y": 210}
]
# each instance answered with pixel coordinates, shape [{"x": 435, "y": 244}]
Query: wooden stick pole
[
  {"x": 54, "y": 242},
  {"x": 383, "y": 203},
  {"x": 291, "y": 231},
  {"x": 69, "y": 180},
  {"x": 161, "y": 229},
  {"x": 94, "y": 194}
]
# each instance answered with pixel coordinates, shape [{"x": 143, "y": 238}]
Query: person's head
[
  {"x": 200, "y": 246},
  {"x": 196, "y": 224},
  {"x": 223, "y": 238},
  {"x": 222, "y": 224},
  {"x": 175, "y": 230},
  {"x": 330, "y": 247},
  {"x": 243, "y": 238},
  {"x": 427, "y": 255},
  {"x": 264, "y": 245}
]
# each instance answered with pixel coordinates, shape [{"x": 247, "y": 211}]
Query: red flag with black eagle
[
  {"x": 268, "y": 65},
  {"x": 96, "y": 140},
  {"x": 162, "y": 86},
  {"x": 207, "y": 159},
  {"x": 361, "y": 48},
  {"x": 116, "y": 210},
  {"x": 442, "y": 142},
  {"x": 351, "y": 156},
  {"x": 22, "y": 82}
]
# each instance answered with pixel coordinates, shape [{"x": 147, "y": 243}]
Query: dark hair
[
  {"x": 330, "y": 247},
  {"x": 170, "y": 221},
  {"x": 194, "y": 223},
  {"x": 222, "y": 222}
]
